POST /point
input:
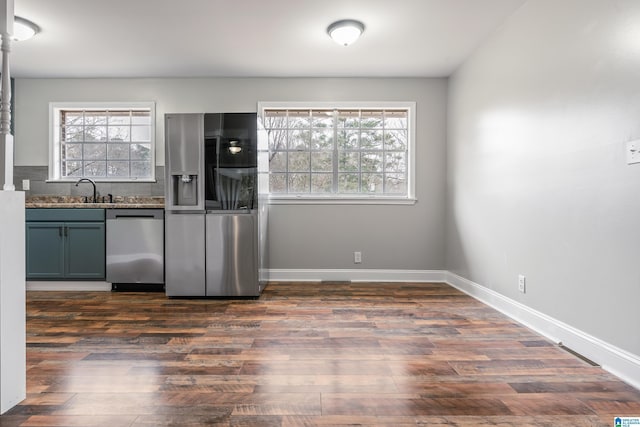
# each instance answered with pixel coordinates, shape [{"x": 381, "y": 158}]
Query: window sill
[
  {"x": 126, "y": 181},
  {"x": 306, "y": 200}
]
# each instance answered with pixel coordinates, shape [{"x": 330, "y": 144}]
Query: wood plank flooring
[{"x": 303, "y": 354}]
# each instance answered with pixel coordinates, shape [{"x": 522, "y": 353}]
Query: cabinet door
[
  {"x": 45, "y": 250},
  {"x": 84, "y": 250}
]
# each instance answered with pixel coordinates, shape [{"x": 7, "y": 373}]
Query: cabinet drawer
[{"x": 55, "y": 214}]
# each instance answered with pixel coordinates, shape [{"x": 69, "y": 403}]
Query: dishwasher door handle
[{"x": 121, "y": 214}]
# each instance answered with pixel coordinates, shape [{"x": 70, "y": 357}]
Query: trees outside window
[
  {"x": 339, "y": 152},
  {"x": 103, "y": 142}
]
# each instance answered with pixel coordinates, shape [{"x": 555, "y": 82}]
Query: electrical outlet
[
  {"x": 522, "y": 282},
  {"x": 357, "y": 257},
  {"x": 633, "y": 152},
  {"x": 26, "y": 184}
]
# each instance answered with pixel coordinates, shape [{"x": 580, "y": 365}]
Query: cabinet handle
[
  {"x": 66, "y": 230},
  {"x": 60, "y": 231}
]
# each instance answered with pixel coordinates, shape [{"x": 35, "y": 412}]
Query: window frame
[
  {"x": 55, "y": 108},
  {"x": 333, "y": 198}
]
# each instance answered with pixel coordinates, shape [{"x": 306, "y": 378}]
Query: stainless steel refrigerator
[{"x": 215, "y": 205}]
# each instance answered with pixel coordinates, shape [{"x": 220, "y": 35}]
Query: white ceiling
[{"x": 251, "y": 38}]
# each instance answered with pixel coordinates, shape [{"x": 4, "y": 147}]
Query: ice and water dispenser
[
  {"x": 184, "y": 162},
  {"x": 185, "y": 188}
]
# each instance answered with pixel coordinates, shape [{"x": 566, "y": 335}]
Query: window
[
  {"x": 349, "y": 152},
  {"x": 104, "y": 142}
]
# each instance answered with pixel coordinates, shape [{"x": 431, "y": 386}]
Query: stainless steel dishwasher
[{"x": 135, "y": 246}]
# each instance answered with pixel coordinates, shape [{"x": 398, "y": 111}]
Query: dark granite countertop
[{"x": 119, "y": 202}]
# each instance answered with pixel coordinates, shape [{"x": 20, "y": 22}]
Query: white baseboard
[
  {"x": 55, "y": 285},
  {"x": 619, "y": 362},
  {"x": 356, "y": 275}
]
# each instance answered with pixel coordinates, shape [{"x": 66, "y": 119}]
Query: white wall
[
  {"x": 310, "y": 237},
  {"x": 13, "y": 368},
  {"x": 537, "y": 178}
]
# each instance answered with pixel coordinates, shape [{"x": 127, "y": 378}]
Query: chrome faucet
[{"x": 95, "y": 196}]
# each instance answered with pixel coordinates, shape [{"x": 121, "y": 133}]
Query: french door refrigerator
[{"x": 215, "y": 206}]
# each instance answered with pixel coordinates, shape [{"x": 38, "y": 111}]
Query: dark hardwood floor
[{"x": 303, "y": 354}]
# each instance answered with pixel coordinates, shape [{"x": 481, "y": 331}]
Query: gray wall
[
  {"x": 314, "y": 237},
  {"x": 38, "y": 175},
  {"x": 537, "y": 178}
]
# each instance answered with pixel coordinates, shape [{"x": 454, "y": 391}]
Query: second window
[{"x": 339, "y": 152}]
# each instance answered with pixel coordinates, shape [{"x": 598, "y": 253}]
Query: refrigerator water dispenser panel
[
  {"x": 185, "y": 190},
  {"x": 184, "y": 161}
]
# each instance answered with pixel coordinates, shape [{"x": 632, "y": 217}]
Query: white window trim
[
  {"x": 54, "y": 174},
  {"x": 365, "y": 199}
]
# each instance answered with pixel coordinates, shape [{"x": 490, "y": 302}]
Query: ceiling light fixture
[
  {"x": 23, "y": 29},
  {"x": 234, "y": 148},
  {"x": 346, "y": 31}
]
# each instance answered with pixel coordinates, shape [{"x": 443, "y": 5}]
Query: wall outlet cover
[{"x": 522, "y": 283}]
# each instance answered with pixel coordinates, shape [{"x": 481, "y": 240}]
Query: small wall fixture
[
  {"x": 23, "y": 29},
  {"x": 346, "y": 31},
  {"x": 234, "y": 148}
]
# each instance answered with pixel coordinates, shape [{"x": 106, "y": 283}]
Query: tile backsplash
[{"x": 37, "y": 175}]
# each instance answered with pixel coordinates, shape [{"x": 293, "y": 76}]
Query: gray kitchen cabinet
[{"x": 65, "y": 244}]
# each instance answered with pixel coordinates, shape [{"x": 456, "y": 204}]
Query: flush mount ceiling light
[
  {"x": 23, "y": 29},
  {"x": 234, "y": 148},
  {"x": 346, "y": 31}
]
